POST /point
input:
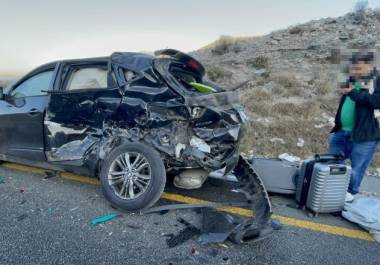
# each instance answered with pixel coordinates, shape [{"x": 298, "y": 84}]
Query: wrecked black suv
[{"x": 127, "y": 119}]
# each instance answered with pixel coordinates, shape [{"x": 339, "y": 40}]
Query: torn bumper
[{"x": 253, "y": 188}]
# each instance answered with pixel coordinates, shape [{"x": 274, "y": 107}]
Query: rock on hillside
[{"x": 293, "y": 73}]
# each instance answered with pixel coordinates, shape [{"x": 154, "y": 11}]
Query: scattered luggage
[
  {"x": 278, "y": 176},
  {"x": 322, "y": 184}
]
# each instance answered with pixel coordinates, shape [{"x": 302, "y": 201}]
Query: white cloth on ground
[{"x": 365, "y": 212}]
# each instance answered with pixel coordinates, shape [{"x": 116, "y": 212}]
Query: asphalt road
[{"x": 48, "y": 221}]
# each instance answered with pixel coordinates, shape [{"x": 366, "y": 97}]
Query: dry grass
[
  {"x": 260, "y": 62},
  {"x": 322, "y": 87},
  {"x": 217, "y": 74},
  {"x": 235, "y": 39},
  {"x": 328, "y": 103},
  {"x": 258, "y": 137},
  {"x": 308, "y": 110},
  {"x": 286, "y": 85},
  {"x": 289, "y": 121},
  {"x": 258, "y": 101},
  {"x": 224, "y": 45}
]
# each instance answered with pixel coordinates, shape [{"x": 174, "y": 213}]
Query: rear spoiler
[{"x": 183, "y": 58}]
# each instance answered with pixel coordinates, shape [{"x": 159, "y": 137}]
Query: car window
[
  {"x": 36, "y": 85},
  {"x": 87, "y": 78},
  {"x": 145, "y": 78},
  {"x": 129, "y": 75}
]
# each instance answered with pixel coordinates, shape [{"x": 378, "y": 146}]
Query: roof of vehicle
[
  {"x": 133, "y": 61},
  {"x": 82, "y": 60},
  {"x": 136, "y": 62}
]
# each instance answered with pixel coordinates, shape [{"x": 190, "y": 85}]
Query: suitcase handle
[{"x": 329, "y": 157}]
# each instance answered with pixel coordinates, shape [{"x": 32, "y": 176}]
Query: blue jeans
[{"x": 360, "y": 154}]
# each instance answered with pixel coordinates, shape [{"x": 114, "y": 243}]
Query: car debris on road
[{"x": 104, "y": 218}]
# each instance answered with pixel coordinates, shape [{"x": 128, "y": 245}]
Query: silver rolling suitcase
[{"x": 322, "y": 184}]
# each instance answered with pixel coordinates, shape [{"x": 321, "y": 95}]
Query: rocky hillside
[{"x": 291, "y": 98}]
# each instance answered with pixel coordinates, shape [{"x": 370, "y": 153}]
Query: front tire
[{"x": 133, "y": 176}]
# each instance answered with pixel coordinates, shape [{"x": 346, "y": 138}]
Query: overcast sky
[{"x": 35, "y": 32}]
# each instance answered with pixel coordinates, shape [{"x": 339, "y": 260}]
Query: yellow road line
[
  {"x": 65, "y": 175},
  {"x": 24, "y": 168},
  {"x": 330, "y": 229},
  {"x": 88, "y": 180}
]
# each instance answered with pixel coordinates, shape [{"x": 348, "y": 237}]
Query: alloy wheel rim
[{"x": 129, "y": 175}]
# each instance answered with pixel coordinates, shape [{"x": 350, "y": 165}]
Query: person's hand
[{"x": 345, "y": 90}]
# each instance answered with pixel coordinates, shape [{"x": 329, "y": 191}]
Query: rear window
[{"x": 87, "y": 78}]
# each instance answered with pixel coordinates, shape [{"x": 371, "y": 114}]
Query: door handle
[{"x": 33, "y": 112}]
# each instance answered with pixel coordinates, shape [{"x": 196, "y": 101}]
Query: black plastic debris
[
  {"x": 217, "y": 226},
  {"x": 163, "y": 212},
  {"x": 50, "y": 174},
  {"x": 21, "y": 217},
  {"x": 133, "y": 226},
  {"x": 189, "y": 232}
]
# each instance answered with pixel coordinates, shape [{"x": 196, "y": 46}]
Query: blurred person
[{"x": 356, "y": 133}]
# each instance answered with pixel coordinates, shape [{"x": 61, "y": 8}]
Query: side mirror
[
  {"x": 18, "y": 102},
  {"x": 1, "y": 93},
  {"x": 17, "y": 99}
]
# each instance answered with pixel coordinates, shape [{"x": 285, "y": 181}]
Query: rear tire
[{"x": 137, "y": 167}]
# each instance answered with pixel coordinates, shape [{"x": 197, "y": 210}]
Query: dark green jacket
[{"x": 366, "y": 126}]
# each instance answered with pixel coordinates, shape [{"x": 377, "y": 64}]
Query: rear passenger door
[{"x": 86, "y": 95}]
